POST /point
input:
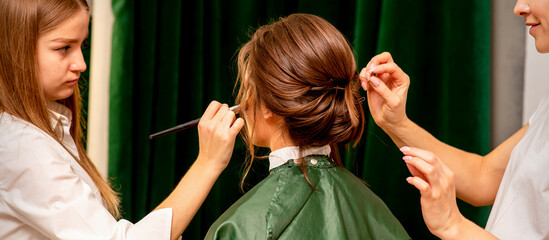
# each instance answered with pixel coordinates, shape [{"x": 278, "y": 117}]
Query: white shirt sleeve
[{"x": 40, "y": 190}]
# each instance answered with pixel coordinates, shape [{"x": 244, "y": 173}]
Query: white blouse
[
  {"x": 521, "y": 208},
  {"x": 45, "y": 193}
]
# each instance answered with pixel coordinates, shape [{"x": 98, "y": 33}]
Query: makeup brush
[{"x": 183, "y": 126}]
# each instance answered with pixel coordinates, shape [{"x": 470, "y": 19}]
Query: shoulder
[
  {"x": 362, "y": 208},
  {"x": 12, "y": 127},
  {"x": 347, "y": 183},
  {"x": 20, "y": 138},
  {"x": 542, "y": 111},
  {"x": 16, "y": 130},
  {"x": 245, "y": 219},
  {"x": 27, "y": 154}
]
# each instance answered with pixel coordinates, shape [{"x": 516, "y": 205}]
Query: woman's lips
[
  {"x": 533, "y": 29},
  {"x": 72, "y": 82}
]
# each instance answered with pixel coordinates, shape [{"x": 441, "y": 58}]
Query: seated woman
[{"x": 299, "y": 96}]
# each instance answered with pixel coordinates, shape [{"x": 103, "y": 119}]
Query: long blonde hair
[{"x": 22, "y": 22}]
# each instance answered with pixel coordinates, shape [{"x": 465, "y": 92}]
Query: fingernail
[
  {"x": 372, "y": 69},
  {"x": 407, "y": 158},
  {"x": 408, "y": 179},
  {"x": 363, "y": 84},
  {"x": 368, "y": 74},
  {"x": 374, "y": 81},
  {"x": 364, "y": 73},
  {"x": 405, "y": 149}
]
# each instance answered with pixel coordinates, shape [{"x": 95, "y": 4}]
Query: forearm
[
  {"x": 467, "y": 167},
  {"x": 466, "y": 230},
  {"x": 217, "y": 131},
  {"x": 189, "y": 195}
]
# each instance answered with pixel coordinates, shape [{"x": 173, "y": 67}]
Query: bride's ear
[{"x": 267, "y": 114}]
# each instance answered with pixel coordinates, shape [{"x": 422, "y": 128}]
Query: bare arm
[
  {"x": 477, "y": 177},
  {"x": 217, "y": 132}
]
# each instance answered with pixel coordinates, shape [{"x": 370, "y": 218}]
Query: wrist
[
  {"x": 393, "y": 126},
  {"x": 457, "y": 230},
  {"x": 207, "y": 166},
  {"x": 397, "y": 130}
]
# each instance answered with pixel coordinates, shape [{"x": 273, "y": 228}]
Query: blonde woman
[{"x": 49, "y": 188}]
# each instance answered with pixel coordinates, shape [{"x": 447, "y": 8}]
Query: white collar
[
  {"x": 281, "y": 156},
  {"x": 61, "y": 118}
]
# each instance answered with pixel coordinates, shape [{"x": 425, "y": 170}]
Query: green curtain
[{"x": 170, "y": 58}]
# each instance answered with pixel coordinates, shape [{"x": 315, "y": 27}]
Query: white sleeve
[{"x": 39, "y": 188}]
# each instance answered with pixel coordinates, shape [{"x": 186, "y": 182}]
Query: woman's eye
[{"x": 63, "y": 49}]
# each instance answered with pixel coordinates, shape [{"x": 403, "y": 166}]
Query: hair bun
[
  {"x": 339, "y": 83},
  {"x": 303, "y": 69}
]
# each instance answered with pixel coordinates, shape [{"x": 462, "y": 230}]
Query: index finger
[
  {"x": 393, "y": 70},
  {"x": 220, "y": 114},
  {"x": 227, "y": 120},
  {"x": 428, "y": 156},
  {"x": 384, "y": 57},
  {"x": 212, "y": 109}
]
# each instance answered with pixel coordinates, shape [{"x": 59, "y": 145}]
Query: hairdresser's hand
[
  {"x": 386, "y": 91},
  {"x": 435, "y": 181},
  {"x": 217, "y": 131}
]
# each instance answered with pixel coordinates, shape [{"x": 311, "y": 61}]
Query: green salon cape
[{"x": 284, "y": 206}]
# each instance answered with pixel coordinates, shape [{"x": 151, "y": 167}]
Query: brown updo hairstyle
[{"x": 302, "y": 69}]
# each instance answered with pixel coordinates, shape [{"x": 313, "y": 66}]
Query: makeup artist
[
  {"x": 513, "y": 177},
  {"x": 49, "y": 188}
]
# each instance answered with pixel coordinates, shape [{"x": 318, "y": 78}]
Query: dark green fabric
[
  {"x": 284, "y": 206},
  {"x": 170, "y": 58},
  {"x": 84, "y": 84}
]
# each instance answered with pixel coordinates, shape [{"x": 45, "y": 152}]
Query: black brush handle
[{"x": 183, "y": 126}]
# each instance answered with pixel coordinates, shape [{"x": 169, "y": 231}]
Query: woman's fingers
[
  {"x": 375, "y": 62},
  {"x": 220, "y": 119},
  {"x": 415, "y": 172},
  {"x": 383, "y": 67},
  {"x": 220, "y": 114},
  {"x": 391, "y": 98},
  {"x": 386, "y": 87},
  {"x": 379, "y": 59},
  {"x": 438, "y": 195},
  {"x": 387, "y": 79},
  {"x": 217, "y": 132},
  {"x": 213, "y": 107},
  {"x": 420, "y": 184},
  {"x": 227, "y": 119},
  {"x": 231, "y": 124},
  {"x": 429, "y": 172},
  {"x": 236, "y": 127},
  {"x": 389, "y": 71},
  {"x": 432, "y": 174},
  {"x": 212, "y": 116},
  {"x": 428, "y": 156},
  {"x": 427, "y": 164}
]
